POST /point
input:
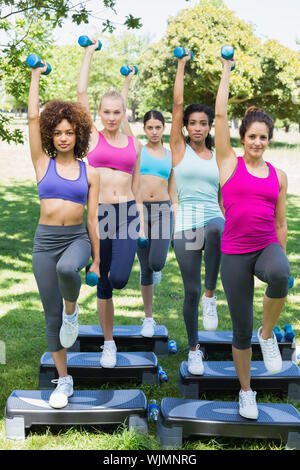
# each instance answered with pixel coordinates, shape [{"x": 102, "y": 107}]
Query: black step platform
[
  {"x": 138, "y": 367},
  {"x": 180, "y": 419},
  {"x": 222, "y": 376},
  {"x": 221, "y": 341},
  {"x": 25, "y": 408},
  {"x": 125, "y": 336}
]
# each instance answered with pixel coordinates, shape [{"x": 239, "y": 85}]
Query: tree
[
  {"x": 264, "y": 74},
  {"x": 28, "y": 26}
]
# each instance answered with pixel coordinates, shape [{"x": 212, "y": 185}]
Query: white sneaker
[
  {"x": 247, "y": 404},
  {"x": 69, "y": 329},
  {"x": 210, "y": 315},
  {"x": 64, "y": 390},
  {"x": 148, "y": 327},
  {"x": 271, "y": 353},
  {"x": 156, "y": 277},
  {"x": 109, "y": 355},
  {"x": 195, "y": 363}
]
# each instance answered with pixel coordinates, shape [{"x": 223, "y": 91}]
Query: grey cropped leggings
[
  {"x": 237, "y": 273},
  {"x": 188, "y": 246},
  {"x": 158, "y": 227},
  {"x": 59, "y": 253}
]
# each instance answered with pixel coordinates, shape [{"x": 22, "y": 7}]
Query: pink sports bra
[{"x": 108, "y": 156}]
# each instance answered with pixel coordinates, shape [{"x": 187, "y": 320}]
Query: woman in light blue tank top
[
  {"x": 159, "y": 195},
  {"x": 199, "y": 219}
]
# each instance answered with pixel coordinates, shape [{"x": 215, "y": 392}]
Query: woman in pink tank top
[
  {"x": 116, "y": 157},
  {"x": 254, "y": 239}
]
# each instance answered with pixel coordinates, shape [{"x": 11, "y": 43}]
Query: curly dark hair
[{"x": 53, "y": 113}]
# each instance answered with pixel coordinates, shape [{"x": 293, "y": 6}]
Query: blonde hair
[{"x": 112, "y": 93}]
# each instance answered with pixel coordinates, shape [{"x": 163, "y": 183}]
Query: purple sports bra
[{"x": 54, "y": 186}]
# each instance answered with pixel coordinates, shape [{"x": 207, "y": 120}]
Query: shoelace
[
  {"x": 70, "y": 325},
  {"x": 148, "y": 320},
  {"x": 248, "y": 398},
  {"x": 270, "y": 347},
  {"x": 210, "y": 310},
  {"x": 198, "y": 353},
  {"x": 62, "y": 382}
]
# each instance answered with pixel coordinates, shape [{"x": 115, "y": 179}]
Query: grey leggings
[
  {"x": 237, "y": 273},
  {"x": 188, "y": 246},
  {"x": 59, "y": 253},
  {"x": 158, "y": 226}
]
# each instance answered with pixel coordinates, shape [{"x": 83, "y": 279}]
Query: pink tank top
[
  {"x": 249, "y": 204},
  {"x": 105, "y": 155}
]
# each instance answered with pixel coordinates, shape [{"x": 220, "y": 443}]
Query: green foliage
[
  {"x": 264, "y": 74},
  {"x": 28, "y": 26}
]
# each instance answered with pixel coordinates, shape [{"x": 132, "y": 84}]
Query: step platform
[
  {"x": 221, "y": 341},
  {"x": 222, "y": 376},
  {"x": 25, "y": 408},
  {"x": 85, "y": 368},
  {"x": 125, "y": 336},
  {"x": 181, "y": 419}
]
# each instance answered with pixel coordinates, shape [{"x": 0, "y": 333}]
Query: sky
[{"x": 273, "y": 19}]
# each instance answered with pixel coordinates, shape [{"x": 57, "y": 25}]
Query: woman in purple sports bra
[
  {"x": 116, "y": 158},
  {"x": 62, "y": 244},
  {"x": 254, "y": 239}
]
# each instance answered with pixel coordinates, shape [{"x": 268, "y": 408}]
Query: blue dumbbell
[
  {"x": 227, "y": 52},
  {"x": 278, "y": 333},
  {"x": 180, "y": 52},
  {"x": 34, "y": 61},
  {"x": 289, "y": 332},
  {"x": 172, "y": 346},
  {"x": 162, "y": 374},
  {"x": 85, "y": 41},
  {"x": 291, "y": 282},
  {"x": 125, "y": 70},
  {"x": 143, "y": 242},
  {"x": 91, "y": 278}
]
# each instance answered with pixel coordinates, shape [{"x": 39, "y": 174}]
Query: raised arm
[
  {"x": 126, "y": 128},
  {"x": 226, "y": 157},
  {"x": 177, "y": 142},
  {"x": 84, "y": 74},
  {"x": 38, "y": 156}
]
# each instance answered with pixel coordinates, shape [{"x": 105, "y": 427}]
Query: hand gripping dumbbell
[
  {"x": 34, "y": 61},
  {"x": 143, "y": 242},
  {"x": 85, "y": 41},
  {"x": 91, "y": 278},
  {"x": 180, "y": 52},
  {"x": 126, "y": 69},
  {"x": 227, "y": 52}
]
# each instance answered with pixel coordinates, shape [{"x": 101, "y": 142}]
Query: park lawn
[{"x": 22, "y": 328}]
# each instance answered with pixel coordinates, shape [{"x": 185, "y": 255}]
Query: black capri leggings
[
  {"x": 158, "y": 226},
  {"x": 237, "y": 273},
  {"x": 59, "y": 253},
  {"x": 188, "y": 246}
]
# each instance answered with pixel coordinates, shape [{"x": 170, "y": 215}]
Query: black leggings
[
  {"x": 237, "y": 273},
  {"x": 188, "y": 246},
  {"x": 158, "y": 225}
]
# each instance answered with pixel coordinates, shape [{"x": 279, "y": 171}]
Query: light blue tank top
[
  {"x": 155, "y": 166},
  {"x": 197, "y": 183}
]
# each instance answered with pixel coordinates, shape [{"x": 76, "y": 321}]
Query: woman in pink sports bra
[
  {"x": 254, "y": 239},
  {"x": 116, "y": 158}
]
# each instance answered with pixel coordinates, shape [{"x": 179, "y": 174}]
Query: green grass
[{"x": 22, "y": 328}]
